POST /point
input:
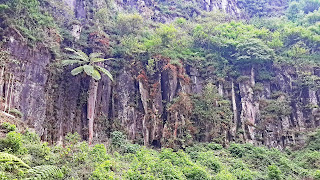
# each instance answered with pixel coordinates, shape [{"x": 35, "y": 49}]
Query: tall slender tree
[{"x": 90, "y": 65}]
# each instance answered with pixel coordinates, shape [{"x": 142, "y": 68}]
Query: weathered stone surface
[{"x": 54, "y": 102}]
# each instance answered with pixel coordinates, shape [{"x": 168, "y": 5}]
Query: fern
[
  {"x": 44, "y": 172},
  {"x": 5, "y": 157}
]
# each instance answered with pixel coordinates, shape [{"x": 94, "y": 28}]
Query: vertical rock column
[{"x": 248, "y": 110}]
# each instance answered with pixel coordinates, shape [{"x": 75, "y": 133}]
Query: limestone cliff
[{"x": 153, "y": 108}]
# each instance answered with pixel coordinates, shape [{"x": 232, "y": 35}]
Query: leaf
[
  {"x": 106, "y": 72},
  {"x": 96, "y": 75},
  {"x": 5, "y": 157},
  {"x": 77, "y": 57},
  {"x": 44, "y": 172},
  {"x": 71, "y": 50},
  {"x": 88, "y": 69},
  {"x": 98, "y": 60},
  {"x": 101, "y": 59},
  {"x": 83, "y": 55},
  {"x": 70, "y": 62},
  {"x": 77, "y": 70},
  {"x": 95, "y": 55}
]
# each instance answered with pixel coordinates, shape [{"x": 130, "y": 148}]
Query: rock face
[
  {"x": 156, "y": 108},
  {"x": 29, "y": 75},
  {"x": 150, "y": 8},
  {"x": 227, "y": 6}
]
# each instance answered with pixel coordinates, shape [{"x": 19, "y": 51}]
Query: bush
[
  {"x": 244, "y": 174},
  {"x": 99, "y": 153},
  {"x": 137, "y": 175},
  {"x": 131, "y": 148},
  {"x": 30, "y": 137},
  {"x": 196, "y": 172},
  {"x": 314, "y": 141},
  {"x": 214, "y": 146},
  {"x": 166, "y": 170},
  {"x": 308, "y": 159},
  {"x": 237, "y": 150},
  {"x": 12, "y": 142},
  {"x": 129, "y": 23},
  {"x": 117, "y": 139},
  {"x": 317, "y": 175},
  {"x": 224, "y": 175},
  {"x": 103, "y": 172},
  {"x": 72, "y": 139},
  {"x": 40, "y": 153},
  {"x": 274, "y": 172},
  {"x": 241, "y": 171},
  {"x": 209, "y": 160},
  {"x": 8, "y": 126}
]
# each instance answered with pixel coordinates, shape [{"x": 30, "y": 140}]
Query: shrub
[
  {"x": 137, "y": 175},
  {"x": 244, "y": 174},
  {"x": 30, "y": 137},
  {"x": 224, "y": 175},
  {"x": 12, "y": 142},
  {"x": 314, "y": 141},
  {"x": 274, "y": 172},
  {"x": 129, "y": 23},
  {"x": 82, "y": 153},
  {"x": 8, "y": 126},
  {"x": 117, "y": 139},
  {"x": 40, "y": 153},
  {"x": 103, "y": 171},
  {"x": 166, "y": 170},
  {"x": 179, "y": 158},
  {"x": 237, "y": 150},
  {"x": 317, "y": 175},
  {"x": 99, "y": 153},
  {"x": 209, "y": 160},
  {"x": 72, "y": 139},
  {"x": 308, "y": 159},
  {"x": 241, "y": 171},
  {"x": 196, "y": 172},
  {"x": 214, "y": 146},
  {"x": 131, "y": 148}
]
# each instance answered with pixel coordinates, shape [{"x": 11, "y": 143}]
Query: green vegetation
[{"x": 76, "y": 160}]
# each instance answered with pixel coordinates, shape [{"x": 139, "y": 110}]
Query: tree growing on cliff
[{"x": 90, "y": 65}]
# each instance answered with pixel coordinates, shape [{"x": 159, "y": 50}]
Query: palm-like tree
[{"x": 90, "y": 66}]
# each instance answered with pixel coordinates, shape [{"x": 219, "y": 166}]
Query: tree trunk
[{"x": 91, "y": 106}]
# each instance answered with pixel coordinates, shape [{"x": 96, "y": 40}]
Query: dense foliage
[{"x": 27, "y": 157}]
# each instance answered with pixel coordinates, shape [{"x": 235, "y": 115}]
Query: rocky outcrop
[
  {"x": 152, "y": 108},
  {"x": 156, "y": 108},
  {"x": 227, "y": 6},
  {"x": 27, "y": 72}
]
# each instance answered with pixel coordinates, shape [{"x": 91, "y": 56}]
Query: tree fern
[
  {"x": 90, "y": 66},
  {"x": 44, "y": 172},
  {"x": 86, "y": 63},
  {"x": 5, "y": 157}
]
